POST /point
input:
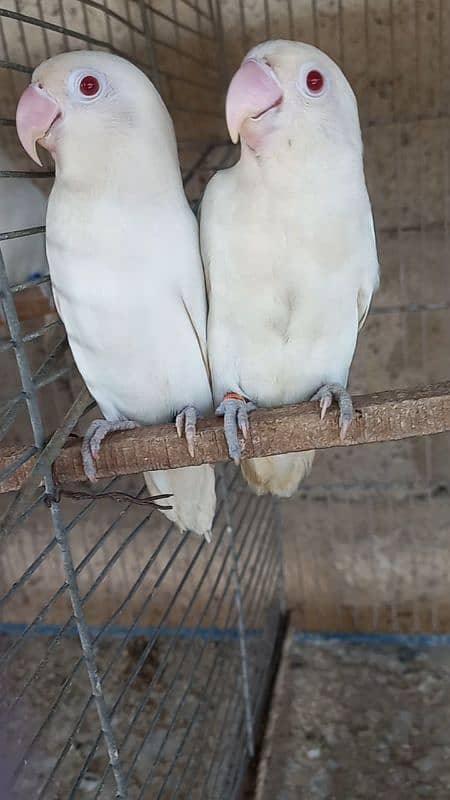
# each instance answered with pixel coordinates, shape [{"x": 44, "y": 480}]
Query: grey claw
[
  {"x": 96, "y": 439},
  {"x": 88, "y": 462},
  {"x": 344, "y": 426},
  {"x": 179, "y": 424},
  {"x": 235, "y": 414},
  {"x": 242, "y": 418},
  {"x": 186, "y": 421},
  {"x": 234, "y": 448},
  {"x": 242, "y": 421},
  {"x": 325, "y": 403},
  {"x": 87, "y": 453},
  {"x": 325, "y": 396},
  {"x": 93, "y": 439},
  {"x": 346, "y": 415}
]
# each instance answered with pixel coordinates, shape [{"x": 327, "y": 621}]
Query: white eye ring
[
  {"x": 302, "y": 84},
  {"x": 74, "y": 82}
]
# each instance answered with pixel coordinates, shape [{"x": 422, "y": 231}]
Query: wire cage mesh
[
  {"x": 365, "y": 541},
  {"x": 136, "y": 661},
  {"x": 182, "y": 638}
]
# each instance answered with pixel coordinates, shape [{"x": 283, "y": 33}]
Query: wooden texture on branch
[{"x": 380, "y": 417}]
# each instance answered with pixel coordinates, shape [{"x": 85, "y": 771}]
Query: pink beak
[
  {"x": 36, "y": 112},
  {"x": 254, "y": 89}
]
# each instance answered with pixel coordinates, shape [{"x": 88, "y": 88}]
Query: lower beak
[
  {"x": 254, "y": 89},
  {"x": 36, "y": 113}
]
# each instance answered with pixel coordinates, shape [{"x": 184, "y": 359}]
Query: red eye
[
  {"x": 314, "y": 81},
  {"x": 89, "y": 86}
]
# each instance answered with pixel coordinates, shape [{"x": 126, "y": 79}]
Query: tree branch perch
[{"x": 380, "y": 417}]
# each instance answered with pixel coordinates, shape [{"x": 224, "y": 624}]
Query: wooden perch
[{"x": 380, "y": 417}]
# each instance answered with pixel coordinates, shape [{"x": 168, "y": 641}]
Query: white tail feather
[
  {"x": 194, "y": 496},
  {"x": 278, "y": 475}
]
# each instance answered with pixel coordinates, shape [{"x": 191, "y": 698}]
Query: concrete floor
[{"x": 358, "y": 722}]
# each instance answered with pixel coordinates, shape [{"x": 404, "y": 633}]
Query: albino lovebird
[
  {"x": 288, "y": 247},
  {"x": 123, "y": 252}
]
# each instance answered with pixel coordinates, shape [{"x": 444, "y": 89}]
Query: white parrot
[
  {"x": 288, "y": 247},
  {"x": 123, "y": 252}
]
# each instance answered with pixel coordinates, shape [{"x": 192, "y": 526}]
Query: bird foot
[
  {"x": 325, "y": 396},
  {"x": 186, "y": 422},
  {"x": 235, "y": 409},
  {"x": 93, "y": 439}
]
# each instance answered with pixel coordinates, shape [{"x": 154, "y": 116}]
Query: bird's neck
[
  {"x": 131, "y": 167},
  {"x": 303, "y": 165}
]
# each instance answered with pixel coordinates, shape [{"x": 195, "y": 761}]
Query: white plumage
[
  {"x": 287, "y": 242},
  {"x": 123, "y": 251}
]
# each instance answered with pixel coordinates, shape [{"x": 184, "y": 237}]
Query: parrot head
[
  {"x": 85, "y": 94},
  {"x": 285, "y": 92}
]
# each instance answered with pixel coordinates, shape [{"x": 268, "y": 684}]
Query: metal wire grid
[
  {"x": 191, "y": 682},
  {"x": 370, "y": 551},
  {"x": 134, "y": 661},
  {"x": 150, "y": 35},
  {"x": 174, "y": 42},
  {"x": 102, "y": 574}
]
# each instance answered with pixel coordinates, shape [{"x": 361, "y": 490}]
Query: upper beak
[
  {"x": 36, "y": 112},
  {"x": 254, "y": 89}
]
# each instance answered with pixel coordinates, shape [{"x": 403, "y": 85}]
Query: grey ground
[
  {"x": 193, "y": 761},
  {"x": 361, "y": 723}
]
